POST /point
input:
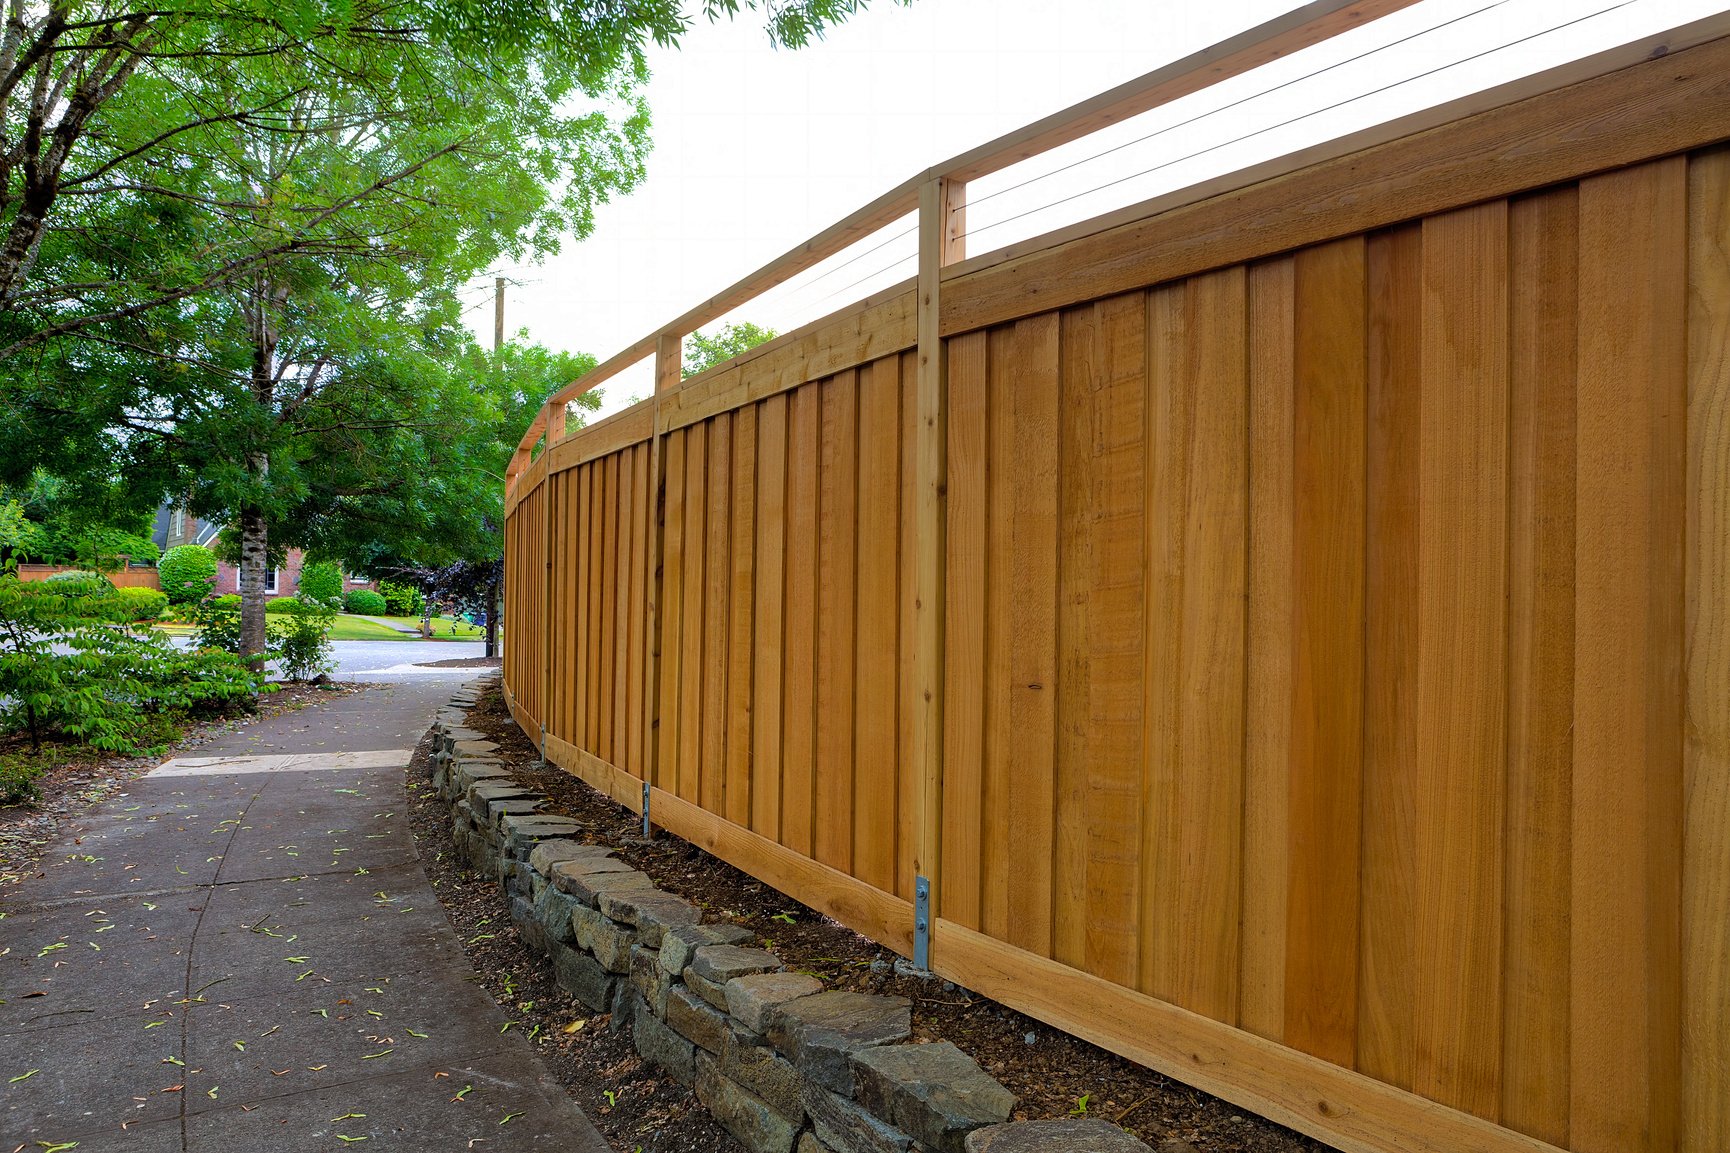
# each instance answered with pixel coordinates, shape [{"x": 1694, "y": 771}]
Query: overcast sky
[{"x": 756, "y": 149}]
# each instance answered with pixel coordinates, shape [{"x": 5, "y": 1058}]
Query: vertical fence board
[
  {"x": 608, "y": 582},
  {"x": 771, "y": 568},
  {"x": 1462, "y": 658},
  {"x": 1327, "y": 660},
  {"x": 837, "y": 561},
  {"x": 1211, "y": 663},
  {"x": 1076, "y": 639},
  {"x": 1389, "y": 866},
  {"x": 908, "y": 797},
  {"x": 717, "y": 603},
  {"x": 1544, "y": 264},
  {"x": 1001, "y": 855},
  {"x": 694, "y": 625},
  {"x": 671, "y": 606},
  {"x": 1706, "y": 832},
  {"x": 741, "y": 714},
  {"x": 877, "y": 654},
  {"x": 1628, "y": 581},
  {"x": 965, "y": 630},
  {"x": 1033, "y": 630},
  {"x": 581, "y": 595},
  {"x": 1111, "y": 799},
  {"x": 799, "y": 756},
  {"x": 1268, "y": 665}
]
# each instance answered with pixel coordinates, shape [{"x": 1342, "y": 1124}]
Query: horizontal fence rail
[{"x": 1285, "y": 631}]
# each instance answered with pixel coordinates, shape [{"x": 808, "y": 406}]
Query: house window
[
  {"x": 177, "y": 524},
  {"x": 269, "y": 579}
]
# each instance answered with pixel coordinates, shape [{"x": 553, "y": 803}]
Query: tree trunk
[{"x": 254, "y": 564}]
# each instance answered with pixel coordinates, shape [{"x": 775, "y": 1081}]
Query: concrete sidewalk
[{"x": 243, "y": 952}]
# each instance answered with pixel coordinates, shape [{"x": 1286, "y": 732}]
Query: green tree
[
  {"x": 705, "y": 352},
  {"x": 321, "y": 581},
  {"x": 187, "y": 573},
  {"x": 87, "y": 521}
]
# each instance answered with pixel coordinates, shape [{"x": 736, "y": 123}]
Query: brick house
[{"x": 176, "y": 526}]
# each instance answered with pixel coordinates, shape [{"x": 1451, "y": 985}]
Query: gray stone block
[
  {"x": 473, "y": 748},
  {"x": 749, "y": 998},
  {"x": 821, "y": 1032},
  {"x": 625, "y": 1002},
  {"x": 696, "y": 1020},
  {"x": 678, "y": 945},
  {"x": 846, "y": 1128},
  {"x": 1065, "y": 1135},
  {"x": 747, "y": 1059},
  {"x": 721, "y": 963},
  {"x": 608, "y": 940},
  {"x": 711, "y": 991},
  {"x": 651, "y": 911},
  {"x": 808, "y": 1143},
  {"x": 753, "y": 1124},
  {"x": 553, "y": 910},
  {"x": 527, "y": 925},
  {"x": 649, "y": 979},
  {"x": 587, "y": 880},
  {"x": 583, "y": 977},
  {"x": 657, "y": 1043},
  {"x": 495, "y": 809},
  {"x": 546, "y": 854},
  {"x": 520, "y": 834},
  {"x": 935, "y": 1092}
]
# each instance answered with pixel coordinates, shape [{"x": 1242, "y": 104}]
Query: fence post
[
  {"x": 547, "y": 582},
  {"x": 942, "y": 240}
]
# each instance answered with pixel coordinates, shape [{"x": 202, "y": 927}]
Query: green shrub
[
  {"x": 226, "y": 601},
  {"x": 79, "y": 583},
  {"x": 401, "y": 600},
  {"x": 322, "y": 582},
  {"x": 66, "y": 671},
  {"x": 139, "y": 604},
  {"x": 282, "y": 605},
  {"x": 187, "y": 573},
  {"x": 364, "y": 602}
]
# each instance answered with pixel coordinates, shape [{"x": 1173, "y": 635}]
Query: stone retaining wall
[{"x": 783, "y": 1063}]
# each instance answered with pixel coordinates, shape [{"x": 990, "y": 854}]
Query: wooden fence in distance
[{"x": 1287, "y": 627}]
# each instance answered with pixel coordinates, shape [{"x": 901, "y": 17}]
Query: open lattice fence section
[{"x": 1281, "y": 634}]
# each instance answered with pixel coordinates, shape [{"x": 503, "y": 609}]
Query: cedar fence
[{"x": 1284, "y": 628}]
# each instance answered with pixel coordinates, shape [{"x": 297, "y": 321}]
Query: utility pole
[{"x": 494, "y": 605}]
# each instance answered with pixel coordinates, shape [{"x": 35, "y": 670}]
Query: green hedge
[
  {"x": 282, "y": 605},
  {"x": 139, "y": 604},
  {"x": 322, "y": 581},
  {"x": 364, "y": 602},
  {"x": 78, "y": 583}
]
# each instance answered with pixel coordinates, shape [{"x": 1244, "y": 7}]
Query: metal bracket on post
[
  {"x": 543, "y": 744},
  {"x": 921, "y": 923},
  {"x": 646, "y": 831}
]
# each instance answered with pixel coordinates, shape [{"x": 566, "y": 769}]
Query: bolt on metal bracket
[
  {"x": 921, "y": 922},
  {"x": 646, "y": 831}
]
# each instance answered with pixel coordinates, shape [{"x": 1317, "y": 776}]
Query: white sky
[{"x": 756, "y": 149}]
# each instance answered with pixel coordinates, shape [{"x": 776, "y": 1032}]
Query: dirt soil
[
  {"x": 78, "y": 777},
  {"x": 1051, "y": 1074}
]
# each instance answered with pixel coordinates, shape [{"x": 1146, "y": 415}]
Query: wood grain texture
[
  {"x": 1349, "y": 1111},
  {"x": 1328, "y": 471},
  {"x": 836, "y": 620},
  {"x": 1393, "y": 452},
  {"x": 1001, "y": 854},
  {"x": 1706, "y": 833},
  {"x": 694, "y": 625},
  {"x": 767, "y": 766},
  {"x": 876, "y": 750},
  {"x": 670, "y": 614},
  {"x": 1268, "y": 664},
  {"x": 1544, "y": 257},
  {"x": 717, "y": 615},
  {"x": 1033, "y": 629},
  {"x": 741, "y": 642},
  {"x": 799, "y": 754},
  {"x": 1461, "y": 764},
  {"x": 1117, "y": 438},
  {"x": 965, "y": 630},
  {"x": 919, "y": 808},
  {"x": 1627, "y": 755}
]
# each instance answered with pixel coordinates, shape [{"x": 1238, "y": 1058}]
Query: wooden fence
[
  {"x": 1287, "y": 626},
  {"x": 126, "y": 577}
]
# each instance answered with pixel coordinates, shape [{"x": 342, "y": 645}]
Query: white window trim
[{"x": 272, "y": 579}]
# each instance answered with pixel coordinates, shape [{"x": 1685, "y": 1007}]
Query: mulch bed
[
  {"x": 1051, "y": 1074},
  {"x": 88, "y": 776}
]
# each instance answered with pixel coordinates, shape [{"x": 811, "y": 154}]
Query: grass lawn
[
  {"x": 442, "y": 628},
  {"x": 347, "y": 628},
  {"x": 350, "y": 628}
]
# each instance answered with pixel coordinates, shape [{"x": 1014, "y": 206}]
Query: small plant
[
  {"x": 80, "y": 583},
  {"x": 364, "y": 602},
  {"x": 1080, "y": 1109},
  {"x": 278, "y": 605},
  {"x": 139, "y": 604},
  {"x": 401, "y": 600},
  {"x": 301, "y": 640},
  {"x": 187, "y": 573}
]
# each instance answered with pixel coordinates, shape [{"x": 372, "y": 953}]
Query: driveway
[{"x": 396, "y": 660}]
